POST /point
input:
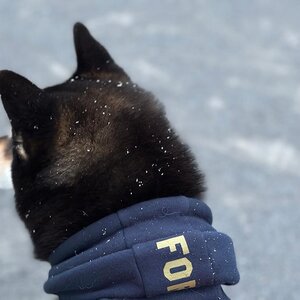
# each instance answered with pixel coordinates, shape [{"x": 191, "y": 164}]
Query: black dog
[
  {"x": 96, "y": 144},
  {"x": 89, "y": 147}
]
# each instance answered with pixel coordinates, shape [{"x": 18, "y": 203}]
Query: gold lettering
[
  {"x": 182, "y": 286},
  {"x": 172, "y": 242},
  {"x": 181, "y": 262}
]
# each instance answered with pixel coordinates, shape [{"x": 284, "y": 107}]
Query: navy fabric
[{"x": 154, "y": 249}]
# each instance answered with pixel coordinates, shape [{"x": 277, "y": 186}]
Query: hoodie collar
[{"x": 164, "y": 246}]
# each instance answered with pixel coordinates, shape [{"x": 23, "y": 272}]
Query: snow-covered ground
[{"x": 228, "y": 73}]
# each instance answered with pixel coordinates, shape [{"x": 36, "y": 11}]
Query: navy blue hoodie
[{"x": 159, "y": 249}]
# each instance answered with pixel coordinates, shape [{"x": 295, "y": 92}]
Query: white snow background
[{"x": 228, "y": 73}]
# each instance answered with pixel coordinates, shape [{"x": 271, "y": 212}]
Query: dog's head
[{"x": 90, "y": 146}]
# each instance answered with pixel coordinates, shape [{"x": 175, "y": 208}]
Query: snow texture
[{"x": 228, "y": 74}]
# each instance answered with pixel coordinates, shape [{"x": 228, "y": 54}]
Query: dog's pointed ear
[
  {"x": 91, "y": 55},
  {"x": 20, "y": 97}
]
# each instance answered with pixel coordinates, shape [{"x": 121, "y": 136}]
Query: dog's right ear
[
  {"x": 92, "y": 57},
  {"x": 21, "y": 99}
]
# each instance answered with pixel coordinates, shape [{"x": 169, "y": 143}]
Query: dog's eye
[{"x": 19, "y": 147}]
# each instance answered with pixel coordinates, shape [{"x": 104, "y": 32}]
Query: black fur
[{"x": 94, "y": 144}]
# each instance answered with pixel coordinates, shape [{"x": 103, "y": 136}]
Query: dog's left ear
[
  {"x": 92, "y": 57},
  {"x": 21, "y": 99}
]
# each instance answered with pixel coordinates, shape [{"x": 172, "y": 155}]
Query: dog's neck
[{"x": 56, "y": 215}]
